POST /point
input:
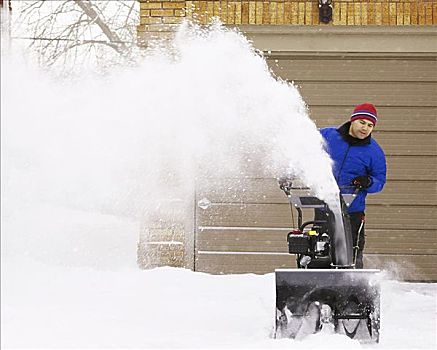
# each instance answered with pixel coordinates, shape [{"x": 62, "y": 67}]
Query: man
[{"x": 359, "y": 162}]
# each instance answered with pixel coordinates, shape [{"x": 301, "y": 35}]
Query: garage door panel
[
  {"x": 408, "y": 267},
  {"x": 400, "y": 167},
  {"x": 401, "y": 217},
  {"x": 406, "y": 193},
  {"x": 381, "y": 94},
  {"x": 240, "y": 190},
  {"x": 354, "y": 69},
  {"x": 411, "y": 168},
  {"x": 266, "y": 190},
  {"x": 390, "y": 118},
  {"x": 406, "y": 236},
  {"x": 246, "y": 215},
  {"x": 275, "y": 241},
  {"x": 242, "y": 263},
  {"x": 278, "y": 215},
  {"x": 402, "y": 248},
  {"x": 407, "y": 143}
]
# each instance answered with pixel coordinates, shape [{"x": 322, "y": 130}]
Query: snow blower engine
[{"x": 325, "y": 293}]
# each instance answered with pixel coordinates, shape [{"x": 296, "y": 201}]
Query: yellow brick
[
  {"x": 238, "y": 12},
  {"x": 399, "y": 14},
  {"x": 216, "y": 11},
  {"x": 295, "y": 12},
  {"x": 407, "y": 19},
  {"x": 161, "y": 13},
  {"x": 151, "y": 20},
  {"x": 392, "y": 13},
  {"x": 203, "y": 12},
  {"x": 266, "y": 13},
  {"x": 172, "y": 20},
  {"x": 231, "y": 12},
  {"x": 210, "y": 10},
  {"x": 144, "y": 13},
  {"x": 343, "y": 14},
  {"x": 223, "y": 12},
  {"x": 357, "y": 14},
  {"x": 421, "y": 12},
  {"x": 336, "y": 13},
  {"x": 371, "y": 13},
  {"x": 202, "y": 15},
  {"x": 259, "y": 12},
  {"x": 315, "y": 13},
  {"x": 364, "y": 11},
  {"x": 189, "y": 9},
  {"x": 428, "y": 13},
  {"x": 141, "y": 5},
  {"x": 280, "y": 13},
  {"x": 150, "y": 5},
  {"x": 378, "y": 13},
  {"x": 308, "y": 13},
  {"x": 350, "y": 14},
  {"x": 273, "y": 12},
  {"x": 173, "y": 5},
  {"x": 385, "y": 14},
  {"x": 287, "y": 13},
  {"x": 301, "y": 19},
  {"x": 434, "y": 12},
  {"x": 196, "y": 10},
  {"x": 245, "y": 12},
  {"x": 179, "y": 13},
  {"x": 413, "y": 13},
  {"x": 163, "y": 247},
  {"x": 252, "y": 12}
]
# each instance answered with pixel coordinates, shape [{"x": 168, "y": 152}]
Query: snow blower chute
[{"x": 325, "y": 293}]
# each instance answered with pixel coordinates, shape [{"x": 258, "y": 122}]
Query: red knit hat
[{"x": 365, "y": 111}]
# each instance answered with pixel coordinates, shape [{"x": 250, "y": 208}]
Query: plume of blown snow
[{"x": 206, "y": 105}]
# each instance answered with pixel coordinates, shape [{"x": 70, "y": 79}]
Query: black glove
[{"x": 361, "y": 182}]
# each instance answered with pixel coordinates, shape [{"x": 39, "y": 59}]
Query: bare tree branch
[
  {"x": 92, "y": 14},
  {"x": 66, "y": 32},
  {"x": 59, "y": 54}
]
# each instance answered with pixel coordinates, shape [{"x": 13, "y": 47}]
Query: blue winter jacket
[{"x": 355, "y": 157}]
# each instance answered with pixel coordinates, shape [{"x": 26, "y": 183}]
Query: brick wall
[
  {"x": 161, "y": 245},
  {"x": 159, "y": 15},
  {"x": 166, "y": 232}
]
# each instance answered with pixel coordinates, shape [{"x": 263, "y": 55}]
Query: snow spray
[{"x": 203, "y": 105}]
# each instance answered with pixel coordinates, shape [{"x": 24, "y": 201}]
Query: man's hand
[{"x": 361, "y": 182}]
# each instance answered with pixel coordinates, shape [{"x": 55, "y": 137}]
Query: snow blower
[{"x": 325, "y": 293}]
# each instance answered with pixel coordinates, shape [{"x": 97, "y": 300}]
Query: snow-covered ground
[{"x": 83, "y": 290}]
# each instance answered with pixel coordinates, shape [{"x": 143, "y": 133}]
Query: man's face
[{"x": 361, "y": 128}]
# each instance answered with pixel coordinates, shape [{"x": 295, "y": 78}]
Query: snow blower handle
[
  {"x": 285, "y": 184},
  {"x": 348, "y": 194},
  {"x": 357, "y": 245}
]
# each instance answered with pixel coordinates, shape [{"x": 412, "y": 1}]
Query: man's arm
[{"x": 378, "y": 172}]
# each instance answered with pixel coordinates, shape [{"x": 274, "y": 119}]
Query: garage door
[{"x": 244, "y": 232}]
